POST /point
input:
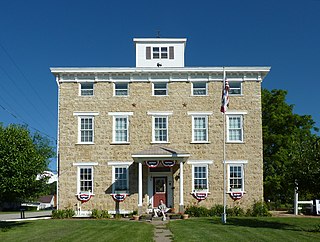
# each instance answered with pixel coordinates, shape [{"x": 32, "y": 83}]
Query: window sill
[
  {"x": 200, "y": 191},
  {"x": 159, "y": 142},
  {"x": 206, "y": 95},
  {"x": 120, "y": 143},
  {"x": 229, "y": 192},
  {"x": 235, "y": 142},
  {"x": 84, "y": 143},
  {"x": 200, "y": 142}
]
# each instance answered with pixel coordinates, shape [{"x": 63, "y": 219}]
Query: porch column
[
  {"x": 181, "y": 204},
  {"x": 139, "y": 188}
]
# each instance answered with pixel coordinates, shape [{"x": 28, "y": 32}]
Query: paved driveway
[{"x": 12, "y": 216}]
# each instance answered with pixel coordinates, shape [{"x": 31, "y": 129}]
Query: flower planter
[
  {"x": 136, "y": 217},
  {"x": 185, "y": 216}
]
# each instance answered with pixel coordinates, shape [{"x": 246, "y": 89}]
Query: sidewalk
[
  {"x": 161, "y": 232},
  {"x": 28, "y": 216}
]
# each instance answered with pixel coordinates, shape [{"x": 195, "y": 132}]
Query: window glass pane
[
  {"x": 121, "y": 89},
  {"x": 199, "y": 88},
  {"x": 160, "y": 89},
  {"x": 155, "y": 53},
  {"x": 86, "y": 130},
  {"x": 121, "y": 129},
  {"x": 199, "y": 129},
  {"x": 85, "y": 178},
  {"x": 235, "y": 88},
  {"x": 235, "y": 128},
  {"x": 120, "y": 178},
  {"x": 235, "y": 177},
  {"x": 164, "y": 52},
  {"x": 200, "y": 177},
  {"x": 86, "y": 89},
  {"x": 160, "y": 128}
]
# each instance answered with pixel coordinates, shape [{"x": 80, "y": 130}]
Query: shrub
[
  {"x": 99, "y": 214},
  {"x": 216, "y": 210},
  {"x": 195, "y": 211},
  {"x": 259, "y": 209},
  {"x": 235, "y": 211},
  {"x": 63, "y": 213}
]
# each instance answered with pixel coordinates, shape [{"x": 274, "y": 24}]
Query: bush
[
  {"x": 63, "y": 213},
  {"x": 99, "y": 214},
  {"x": 216, "y": 210},
  {"x": 259, "y": 209},
  {"x": 235, "y": 212},
  {"x": 195, "y": 211}
]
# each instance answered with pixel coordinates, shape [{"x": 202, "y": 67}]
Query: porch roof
[{"x": 156, "y": 151}]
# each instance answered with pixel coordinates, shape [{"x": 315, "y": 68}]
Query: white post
[
  {"x": 296, "y": 200},
  {"x": 140, "y": 186},
  {"x": 181, "y": 204},
  {"x": 224, "y": 215}
]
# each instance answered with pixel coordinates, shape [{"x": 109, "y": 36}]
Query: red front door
[{"x": 159, "y": 190}]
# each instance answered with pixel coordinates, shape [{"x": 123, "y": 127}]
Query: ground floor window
[{"x": 236, "y": 176}]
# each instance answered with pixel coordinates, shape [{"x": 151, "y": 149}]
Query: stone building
[{"x": 130, "y": 136}]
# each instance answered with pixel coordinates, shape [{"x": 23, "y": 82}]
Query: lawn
[
  {"x": 76, "y": 230},
  {"x": 246, "y": 229}
]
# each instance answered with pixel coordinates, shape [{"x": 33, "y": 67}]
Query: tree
[
  {"x": 22, "y": 157},
  {"x": 291, "y": 149}
]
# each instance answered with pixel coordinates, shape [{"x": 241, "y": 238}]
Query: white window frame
[
  {"x": 80, "y": 89},
  {"x": 230, "y": 114},
  {"x": 120, "y": 115},
  {"x": 200, "y": 163},
  {"x": 200, "y": 115},
  {"x": 160, "y": 115},
  {"x": 85, "y": 165},
  {"x": 119, "y": 164},
  {"x": 115, "y": 89},
  {"x": 194, "y": 89},
  {"x": 80, "y": 116},
  {"x": 162, "y": 53},
  {"x": 159, "y": 89},
  {"x": 235, "y": 88},
  {"x": 241, "y": 164}
]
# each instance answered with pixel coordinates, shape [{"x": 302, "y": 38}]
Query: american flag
[{"x": 225, "y": 96}]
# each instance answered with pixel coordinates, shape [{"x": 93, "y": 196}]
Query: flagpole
[{"x": 224, "y": 215}]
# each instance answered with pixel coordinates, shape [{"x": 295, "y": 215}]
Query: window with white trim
[
  {"x": 86, "y": 89},
  {"x": 200, "y": 178},
  {"x": 160, "y": 52},
  {"x": 85, "y": 179},
  {"x": 121, "y": 89},
  {"x": 235, "y": 128},
  {"x": 86, "y": 125},
  {"x": 160, "y": 129},
  {"x": 120, "y": 131},
  {"x": 236, "y": 177},
  {"x": 160, "y": 88},
  {"x": 120, "y": 177},
  {"x": 200, "y": 128},
  {"x": 199, "y": 88},
  {"x": 235, "y": 88}
]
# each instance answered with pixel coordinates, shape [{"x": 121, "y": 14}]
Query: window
[
  {"x": 235, "y": 128},
  {"x": 160, "y": 52},
  {"x": 121, "y": 89},
  {"x": 235, "y": 88},
  {"x": 85, "y": 127},
  {"x": 120, "y": 126},
  {"x": 86, "y": 89},
  {"x": 200, "y": 175},
  {"x": 85, "y": 176},
  {"x": 235, "y": 174},
  {"x": 120, "y": 177},
  {"x": 200, "y": 129},
  {"x": 199, "y": 88},
  {"x": 160, "y": 129},
  {"x": 160, "y": 89}
]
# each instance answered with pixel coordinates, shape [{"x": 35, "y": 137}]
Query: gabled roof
[
  {"x": 46, "y": 199},
  {"x": 160, "y": 151}
]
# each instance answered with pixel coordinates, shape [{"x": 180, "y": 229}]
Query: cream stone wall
[{"x": 140, "y": 101}]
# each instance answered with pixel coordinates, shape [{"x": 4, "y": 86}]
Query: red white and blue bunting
[
  {"x": 84, "y": 196},
  {"x": 200, "y": 195},
  {"x": 168, "y": 163},
  {"x": 236, "y": 195},
  {"x": 152, "y": 163},
  {"x": 119, "y": 197}
]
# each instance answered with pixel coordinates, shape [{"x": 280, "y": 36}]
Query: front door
[{"x": 159, "y": 190}]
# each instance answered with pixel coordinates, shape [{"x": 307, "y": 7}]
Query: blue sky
[{"x": 37, "y": 35}]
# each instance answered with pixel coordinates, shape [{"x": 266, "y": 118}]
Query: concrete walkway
[
  {"x": 161, "y": 232},
  {"x": 28, "y": 216}
]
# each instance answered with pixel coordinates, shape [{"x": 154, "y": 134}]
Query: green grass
[
  {"x": 76, "y": 230},
  {"x": 246, "y": 229}
]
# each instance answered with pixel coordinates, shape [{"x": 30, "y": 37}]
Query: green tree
[
  {"x": 289, "y": 145},
  {"x": 22, "y": 157}
]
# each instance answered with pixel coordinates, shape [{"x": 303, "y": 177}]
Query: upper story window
[
  {"x": 160, "y": 131},
  {"x": 200, "y": 126},
  {"x": 159, "y": 52},
  {"x": 199, "y": 89},
  {"x": 160, "y": 88},
  {"x": 85, "y": 127},
  {"x": 235, "y": 128},
  {"x": 86, "y": 89},
  {"x": 120, "y": 127},
  {"x": 121, "y": 89},
  {"x": 235, "y": 88}
]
